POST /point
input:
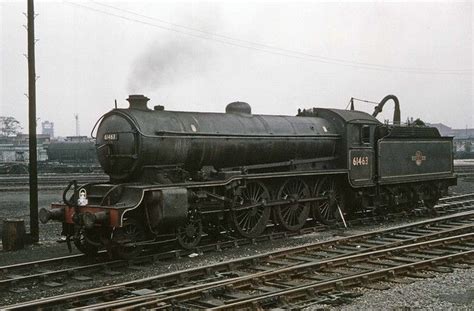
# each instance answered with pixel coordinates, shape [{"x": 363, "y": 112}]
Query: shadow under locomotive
[{"x": 185, "y": 175}]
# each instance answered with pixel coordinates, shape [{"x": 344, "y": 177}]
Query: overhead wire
[
  {"x": 343, "y": 61},
  {"x": 263, "y": 48}
]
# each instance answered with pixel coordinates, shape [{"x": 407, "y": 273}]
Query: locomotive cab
[
  {"x": 361, "y": 154},
  {"x": 356, "y": 151}
]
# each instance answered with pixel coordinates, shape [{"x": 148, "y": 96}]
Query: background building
[{"x": 47, "y": 128}]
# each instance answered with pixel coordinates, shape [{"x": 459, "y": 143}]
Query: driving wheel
[
  {"x": 292, "y": 216},
  {"x": 328, "y": 209},
  {"x": 249, "y": 213}
]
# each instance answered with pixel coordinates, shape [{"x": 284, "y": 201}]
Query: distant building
[
  {"x": 78, "y": 138},
  {"x": 463, "y": 138},
  {"x": 15, "y": 148},
  {"x": 457, "y": 133},
  {"x": 47, "y": 128},
  {"x": 20, "y": 139}
]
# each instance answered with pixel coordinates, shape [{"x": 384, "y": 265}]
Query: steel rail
[
  {"x": 164, "y": 300},
  {"x": 359, "y": 279},
  {"x": 202, "y": 272},
  {"x": 13, "y": 276},
  {"x": 451, "y": 201},
  {"x": 13, "y": 269}
]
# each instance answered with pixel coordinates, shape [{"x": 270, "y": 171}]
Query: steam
[{"x": 168, "y": 61}]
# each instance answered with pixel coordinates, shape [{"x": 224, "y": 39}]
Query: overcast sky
[{"x": 276, "y": 55}]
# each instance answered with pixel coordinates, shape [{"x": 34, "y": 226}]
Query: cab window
[
  {"x": 355, "y": 133},
  {"x": 365, "y": 134}
]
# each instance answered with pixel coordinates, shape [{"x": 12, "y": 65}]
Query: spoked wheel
[
  {"x": 403, "y": 198},
  {"x": 189, "y": 234},
  {"x": 431, "y": 203},
  {"x": 430, "y": 196},
  {"x": 293, "y": 216},
  {"x": 328, "y": 210},
  {"x": 249, "y": 213},
  {"x": 87, "y": 241},
  {"x": 124, "y": 239}
]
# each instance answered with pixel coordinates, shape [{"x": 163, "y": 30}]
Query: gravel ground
[
  {"x": 15, "y": 204},
  {"x": 449, "y": 291},
  {"x": 436, "y": 293}
]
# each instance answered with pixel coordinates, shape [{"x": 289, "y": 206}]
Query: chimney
[{"x": 138, "y": 102}]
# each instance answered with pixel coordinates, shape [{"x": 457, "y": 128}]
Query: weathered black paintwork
[
  {"x": 405, "y": 160},
  {"x": 347, "y": 160},
  {"x": 130, "y": 140}
]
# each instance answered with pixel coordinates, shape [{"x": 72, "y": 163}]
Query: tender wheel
[
  {"x": 125, "y": 237},
  {"x": 431, "y": 203},
  {"x": 87, "y": 241},
  {"x": 430, "y": 196},
  {"x": 249, "y": 214},
  {"x": 403, "y": 198},
  {"x": 293, "y": 216},
  {"x": 327, "y": 210},
  {"x": 189, "y": 234}
]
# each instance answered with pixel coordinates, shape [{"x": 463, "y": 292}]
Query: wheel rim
[
  {"x": 431, "y": 202},
  {"x": 403, "y": 198},
  {"x": 293, "y": 216},
  {"x": 87, "y": 242},
  {"x": 130, "y": 233},
  {"x": 189, "y": 234},
  {"x": 327, "y": 210},
  {"x": 251, "y": 222}
]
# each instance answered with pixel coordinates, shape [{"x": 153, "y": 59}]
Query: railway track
[
  {"x": 276, "y": 274},
  {"x": 47, "y": 181},
  {"x": 58, "y": 271},
  {"x": 304, "y": 284},
  {"x": 464, "y": 169}
]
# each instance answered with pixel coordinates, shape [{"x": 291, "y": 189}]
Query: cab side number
[{"x": 358, "y": 161}]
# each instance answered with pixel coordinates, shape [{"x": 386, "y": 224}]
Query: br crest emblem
[{"x": 418, "y": 158}]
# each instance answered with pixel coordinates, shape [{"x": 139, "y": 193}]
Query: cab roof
[{"x": 347, "y": 116}]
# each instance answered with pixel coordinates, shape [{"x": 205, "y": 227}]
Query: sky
[{"x": 276, "y": 55}]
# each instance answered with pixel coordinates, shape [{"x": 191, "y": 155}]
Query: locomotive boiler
[
  {"x": 135, "y": 140},
  {"x": 185, "y": 176}
]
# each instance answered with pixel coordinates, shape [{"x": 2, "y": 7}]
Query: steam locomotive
[{"x": 185, "y": 175}]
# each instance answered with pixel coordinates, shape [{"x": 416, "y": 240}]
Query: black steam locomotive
[{"x": 186, "y": 175}]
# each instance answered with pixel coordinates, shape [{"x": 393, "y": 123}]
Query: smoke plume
[{"x": 167, "y": 61}]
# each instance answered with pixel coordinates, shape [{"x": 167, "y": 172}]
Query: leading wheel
[
  {"x": 87, "y": 241},
  {"x": 249, "y": 213},
  {"x": 331, "y": 204},
  {"x": 125, "y": 239},
  {"x": 292, "y": 216},
  {"x": 189, "y": 233}
]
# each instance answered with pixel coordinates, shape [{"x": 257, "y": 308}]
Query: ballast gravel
[
  {"x": 451, "y": 291},
  {"x": 447, "y": 291}
]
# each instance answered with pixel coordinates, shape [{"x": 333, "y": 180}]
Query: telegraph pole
[{"x": 33, "y": 167}]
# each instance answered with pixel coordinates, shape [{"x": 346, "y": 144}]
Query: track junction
[{"x": 292, "y": 274}]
